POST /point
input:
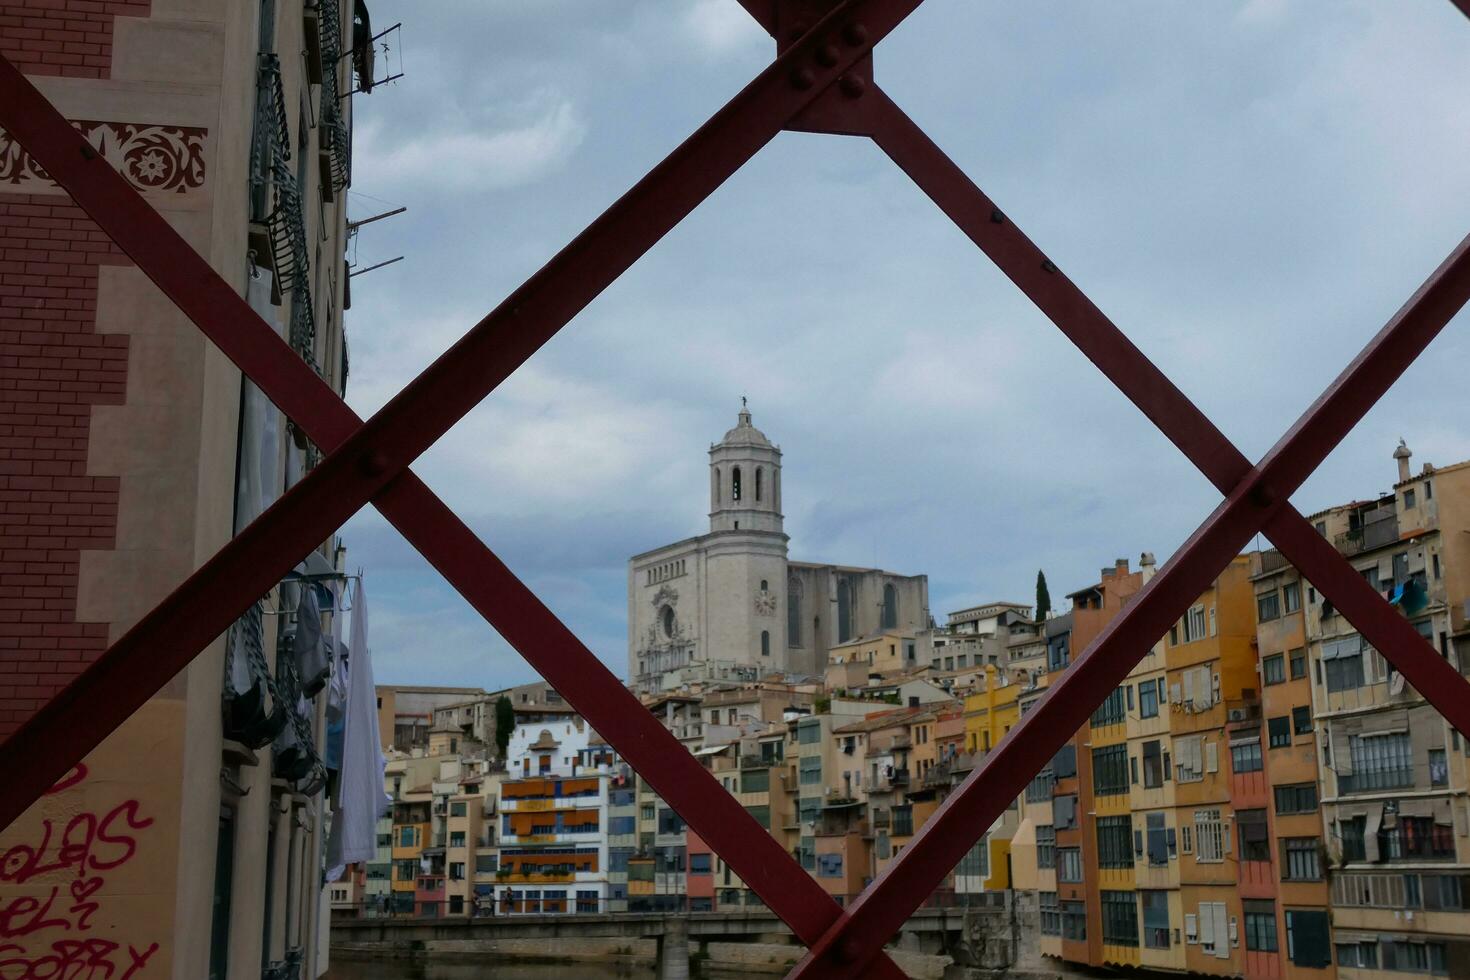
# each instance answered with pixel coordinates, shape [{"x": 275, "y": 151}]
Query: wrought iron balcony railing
[
  {"x": 287, "y": 224},
  {"x": 271, "y": 142}
]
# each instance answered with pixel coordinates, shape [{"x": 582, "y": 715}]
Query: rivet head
[
  {"x": 803, "y": 78},
  {"x": 852, "y": 85},
  {"x": 373, "y": 463},
  {"x": 827, "y": 55},
  {"x": 855, "y": 34},
  {"x": 846, "y": 951}
]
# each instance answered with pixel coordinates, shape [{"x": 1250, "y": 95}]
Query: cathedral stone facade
[{"x": 730, "y": 604}]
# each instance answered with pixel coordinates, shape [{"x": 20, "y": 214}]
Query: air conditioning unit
[{"x": 1237, "y": 714}]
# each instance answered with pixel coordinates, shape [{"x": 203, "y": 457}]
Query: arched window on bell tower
[
  {"x": 890, "y": 607},
  {"x": 735, "y": 484},
  {"x": 758, "y": 473},
  {"x": 765, "y": 643}
]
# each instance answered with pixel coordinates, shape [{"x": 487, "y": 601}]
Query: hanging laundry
[{"x": 353, "y": 836}]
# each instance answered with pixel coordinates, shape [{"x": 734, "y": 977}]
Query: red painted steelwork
[
  {"x": 1157, "y": 397},
  {"x": 1258, "y": 496},
  {"x": 368, "y": 461}
]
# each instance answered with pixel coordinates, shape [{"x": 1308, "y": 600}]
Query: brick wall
[
  {"x": 54, "y": 367},
  {"x": 63, "y": 37}
]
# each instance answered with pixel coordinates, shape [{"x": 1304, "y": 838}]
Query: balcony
[
  {"x": 1380, "y": 527},
  {"x": 1373, "y": 780}
]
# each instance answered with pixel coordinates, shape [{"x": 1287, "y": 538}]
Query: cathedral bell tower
[{"x": 745, "y": 480}]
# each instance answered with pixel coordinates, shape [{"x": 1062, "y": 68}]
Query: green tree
[
  {"x": 505, "y": 723},
  {"x": 1043, "y": 597}
]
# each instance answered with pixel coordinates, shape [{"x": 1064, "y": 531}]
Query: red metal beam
[
  {"x": 41, "y": 757},
  {"x": 1103, "y": 343},
  {"x": 361, "y": 461},
  {"x": 1256, "y": 497}
]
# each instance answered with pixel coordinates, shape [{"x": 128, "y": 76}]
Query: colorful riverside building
[
  {"x": 1294, "y": 898},
  {"x": 1393, "y": 790},
  {"x": 554, "y": 806}
]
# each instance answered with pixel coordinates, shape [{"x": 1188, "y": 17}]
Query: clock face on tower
[{"x": 765, "y": 603}]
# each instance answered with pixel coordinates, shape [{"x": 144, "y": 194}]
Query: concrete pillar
[{"x": 673, "y": 949}]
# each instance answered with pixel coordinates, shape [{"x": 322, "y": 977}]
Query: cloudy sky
[{"x": 1250, "y": 188}]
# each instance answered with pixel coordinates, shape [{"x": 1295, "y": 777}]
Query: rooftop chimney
[
  {"x": 1402, "y": 454},
  {"x": 1146, "y": 565}
]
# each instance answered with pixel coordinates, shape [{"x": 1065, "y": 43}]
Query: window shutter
[
  {"x": 1174, "y": 696},
  {"x": 1166, "y": 767},
  {"x": 1222, "y": 947},
  {"x": 1206, "y": 924},
  {"x": 1191, "y": 928},
  {"x": 1173, "y": 842},
  {"x": 1138, "y": 842},
  {"x": 1188, "y": 678},
  {"x": 1212, "y": 757}
]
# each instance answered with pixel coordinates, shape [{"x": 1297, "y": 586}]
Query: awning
[
  {"x": 1370, "y": 835},
  {"x": 715, "y": 750}
]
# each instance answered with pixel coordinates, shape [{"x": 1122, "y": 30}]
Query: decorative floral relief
[
  {"x": 765, "y": 603},
  {"x": 152, "y": 158}
]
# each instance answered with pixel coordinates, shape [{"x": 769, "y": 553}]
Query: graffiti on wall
[{"x": 47, "y": 932}]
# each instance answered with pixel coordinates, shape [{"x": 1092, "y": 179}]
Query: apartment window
[
  {"x": 1296, "y": 798},
  {"x": 1416, "y": 837},
  {"x": 1350, "y": 833},
  {"x": 755, "y": 780},
  {"x": 1148, "y": 700},
  {"x": 460, "y": 809},
  {"x": 1412, "y": 957},
  {"x": 1260, "y": 926},
  {"x": 1410, "y": 500},
  {"x": 1188, "y": 759},
  {"x": 1119, "y": 918},
  {"x": 1040, "y": 787},
  {"x": 1301, "y": 858},
  {"x": 1155, "y": 918},
  {"x": 1114, "y": 847},
  {"x": 456, "y": 839},
  {"x": 407, "y": 836},
  {"x": 1111, "y": 711},
  {"x": 762, "y": 815},
  {"x": 1268, "y": 606},
  {"x": 1069, "y": 865},
  {"x": 1255, "y": 842},
  {"x": 1298, "y": 660},
  {"x": 810, "y": 769},
  {"x": 699, "y": 864},
  {"x": 1291, "y": 597},
  {"x": 1278, "y": 731},
  {"x": 1343, "y": 660},
  {"x": 1361, "y": 955},
  {"x": 1382, "y": 760},
  {"x": 1046, "y": 846},
  {"x": 1064, "y": 811},
  {"x": 1157, "y": 842},
  {"x": 1074, "y": 920},
  {"x": 903, "y": 821},
  {"x": 1058, "y": 652},
  {"x": 1155, "y": 764},
  {"x": 829, "y": 865},
  {"x": 670, "y": 822},
  {"x": 1051, "y": 913},
  {"x": 456, "y": 871},
  {"x": 1439, "y": 769},
  {"x": 1212, "y": 839},
  {"x": 1110, "y": 770},
  {"x": 646, "y": 811},
  {"x": 809, "y": 734},
  {"x": 1273, "y": 669},
  {"x": 1246, "y": 756},
  {"x": 1064, "y": 763},
  {"x": 1194, "y": 624},
  {"x": 1447, "y": 892},
  {"x": 1301, "y": 719}
]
